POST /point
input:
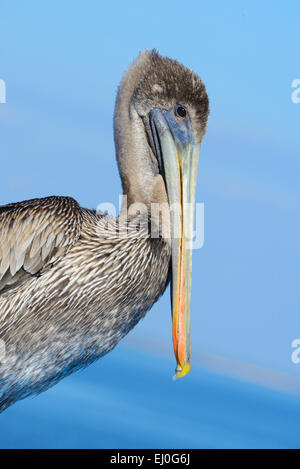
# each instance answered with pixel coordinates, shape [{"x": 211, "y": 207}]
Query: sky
[{"x": 62, "y": 63}]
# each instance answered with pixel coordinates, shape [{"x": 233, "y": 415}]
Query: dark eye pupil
[{"x": 181, "y": 111}]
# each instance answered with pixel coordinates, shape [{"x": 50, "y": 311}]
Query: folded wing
[{"x": 35, "y": 234}]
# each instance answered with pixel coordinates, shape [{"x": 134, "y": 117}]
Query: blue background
[{"x": 62, "y": 63}]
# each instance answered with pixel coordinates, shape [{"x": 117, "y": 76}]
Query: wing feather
[{"x": 34, "y": 234}]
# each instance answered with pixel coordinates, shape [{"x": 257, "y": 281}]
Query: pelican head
[{"x": 160, "y": 120}]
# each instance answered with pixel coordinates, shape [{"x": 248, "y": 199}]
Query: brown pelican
[{"x": 73, "y": 282}]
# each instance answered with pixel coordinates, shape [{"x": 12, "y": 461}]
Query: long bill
[{"x": 180, "y": 155}]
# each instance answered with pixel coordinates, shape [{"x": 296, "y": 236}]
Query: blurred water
[{"x": 128, "y": 400}]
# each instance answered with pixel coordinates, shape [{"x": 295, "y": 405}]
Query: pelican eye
[{"x": 180, "y": 111}]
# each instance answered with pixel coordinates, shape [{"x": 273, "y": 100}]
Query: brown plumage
[{"x": 74, "y": 282}]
